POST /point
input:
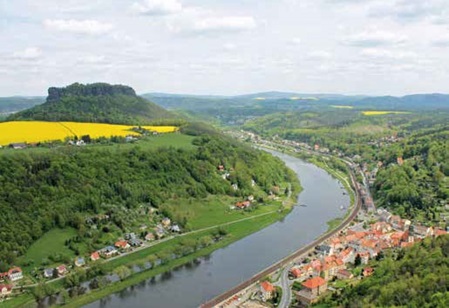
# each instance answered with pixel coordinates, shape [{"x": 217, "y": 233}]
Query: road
[
  {"x": 148, "y": 245},
  {"x": 282, "y": 263},
  {"x": 286, "y": 288}
]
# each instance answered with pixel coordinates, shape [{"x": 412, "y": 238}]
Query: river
[{"x": 192, "y": 285}]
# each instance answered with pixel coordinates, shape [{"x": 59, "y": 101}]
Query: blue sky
[{"x": 371, "y": 47}]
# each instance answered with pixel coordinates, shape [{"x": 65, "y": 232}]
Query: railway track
[{"x": 280, "y": 264}]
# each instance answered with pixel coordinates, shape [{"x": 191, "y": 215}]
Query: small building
[
  {"x": 108, "y": 251},
  {"x": 48, "y": 272},
  {"x": 18, "y": 146},
  {"x": 130, "y": 236},
  {"x": 15, "y": 274},
  {"x": 296, "y": 273},
  {"x": 422, "y": 231},
  {"x": 5, "y": 290},
  {"x": 368, "y": 271},
  {"x": 266, "y": 290},
  {"x": 79, "y": 261},
  {"x": 62, "y": 270},
  {"x": 166, "y": 222},
  {"x": 135, "y": 242},
  {"x": 122, "y": 244},
  {"x": 313, "y": 288},
  {"x": 323, "y": 250},
  {"x": 344, "y": 274},
  {"x": 95, "y": 256},
  {"x": 150, "y": 236},
  {"x": 175, "y": 228}
]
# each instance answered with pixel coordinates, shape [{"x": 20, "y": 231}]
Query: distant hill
[
  {"x": 98, "y": 102},
  {"x": 273, "y": 99},
  {"x": 17, "y": 103}
]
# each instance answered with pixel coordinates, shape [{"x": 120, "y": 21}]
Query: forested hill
[
  {"x": 98, "y": 102},
  {"x": 63, "y": 187},
  {"x": 414, "y": 277}
]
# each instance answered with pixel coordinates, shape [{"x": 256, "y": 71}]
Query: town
[{"x": 345, "y": 257}]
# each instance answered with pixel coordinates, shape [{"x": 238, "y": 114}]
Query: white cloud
[
  {"x": 30, "y": 53},
  {"x": 373, "y": 38},
  {"x": 319, "y": 55},
  {"x": 88, "y": 26},
  {"x": 229, "y": 47},
  {"x": 157, "y": 7},
  {"x": 196, "y": 20},
  {"x": 436, "y": 11},
  {"x": 226, "y": 23}
]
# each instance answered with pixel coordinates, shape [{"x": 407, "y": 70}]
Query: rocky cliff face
[{"x": 95, "y": 89}]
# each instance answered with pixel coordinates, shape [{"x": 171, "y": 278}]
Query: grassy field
[
  {"x": 36, "y": 131},
  {"x": 378, "y": 112},
  {"x": 25, "y": 300},
  {"x": 51, "y": 242},
  {"x": 236, "y": 232},
  {"x": 212, "y": 211},
  {"x": 332, "y": 224}
]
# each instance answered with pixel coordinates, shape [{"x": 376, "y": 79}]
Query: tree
[
  {"x": 122, "y": 272},
  {"x": 357, "y": 260}
]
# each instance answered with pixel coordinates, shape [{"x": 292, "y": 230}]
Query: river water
[{"x": 192, "y": 285}]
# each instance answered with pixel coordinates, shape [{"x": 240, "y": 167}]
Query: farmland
[
  {"x": 378, "y": 112},
  {"x": 36, "y": 131}
]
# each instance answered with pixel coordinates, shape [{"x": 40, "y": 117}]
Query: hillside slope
[{"x": 98, "y": 102}]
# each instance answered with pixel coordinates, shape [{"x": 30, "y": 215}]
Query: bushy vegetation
[
  {"x": 416, "y": 188},
  {"x": 415, "y": 277},
  {"x": 63, "y": 187}
]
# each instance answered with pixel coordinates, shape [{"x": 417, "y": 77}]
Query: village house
[
  {"x": 332, "y": 264},
  {"x": 122, "y": 245},
  {"x": 18, "y": 146},
  {"x": 160, "y": 232},
  {"x": 368, "y": 271},
  {"x": 266, "y": 290},
  {"x": 313, "y": 288},
  {"x": 344, "y": 274},
  {"x": 296, "y": 273},
  {"x": 381, "y": 226},
  {"x": 130, "y": 236},
  {"x": 48, "y": 272},
  {"x": 149, "y": 237},
  {"x": 324, "y": 250},
  {"x": 166, "y": 222},
  {"x": 175, "y": 228},
  {"x": 348, "y": 255},
  {"x": 243, "y": 204},
  {"x": 422, "y": 231},
  {"x": 62, "y": 270},
  {"x": 79, "y": 261},
  {"x": 15, "y": 274},
  {"x": 5, "y": 290},
  {"x": 135, "y": 242},
  {"x": 95, "y": 256},
  {"x": 108, "y": 252}
]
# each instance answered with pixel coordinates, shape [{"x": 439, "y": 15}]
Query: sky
[{"x": 228, "y": 47}]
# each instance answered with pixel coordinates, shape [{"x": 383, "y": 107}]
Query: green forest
[
  {"x": 414, "y": 277},
  {"x": 62, "y": 187}
]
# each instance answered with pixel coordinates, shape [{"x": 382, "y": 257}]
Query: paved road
[{"x": 286, "y": 289}]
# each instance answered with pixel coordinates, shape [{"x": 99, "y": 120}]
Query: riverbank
[
  {"x": 235, "y": 232},
  {"x": 225, "y": 268}
]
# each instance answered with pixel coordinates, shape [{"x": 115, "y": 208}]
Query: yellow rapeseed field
[
  {"x": 373, "y": 113},
  {"x": 36, "y": 131}
]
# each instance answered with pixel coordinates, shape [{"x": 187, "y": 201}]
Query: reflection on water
[{"x": 204, "y": 278}]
